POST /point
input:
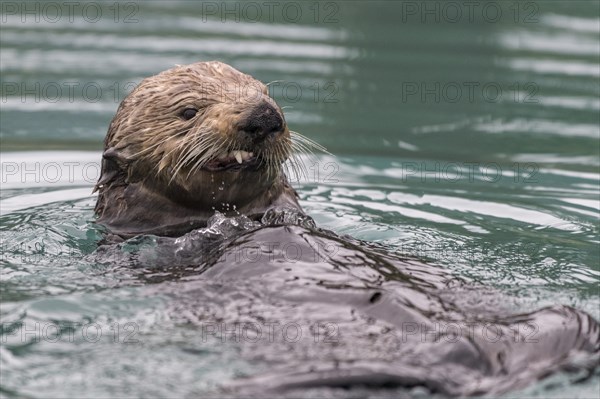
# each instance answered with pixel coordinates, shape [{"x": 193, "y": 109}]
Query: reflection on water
[{"x": 472, "y": 144}]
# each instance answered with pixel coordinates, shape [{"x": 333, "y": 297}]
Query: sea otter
[
  {"x": 203, "y": 138},
  {"x": 190, "y": 141}
]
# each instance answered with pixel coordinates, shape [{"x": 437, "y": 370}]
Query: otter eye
[{"x": 189, "y": 113}]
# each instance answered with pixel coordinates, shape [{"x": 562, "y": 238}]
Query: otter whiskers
[
  {"x": 302, "y": 145},
  {"x": 200, "y": 151}
]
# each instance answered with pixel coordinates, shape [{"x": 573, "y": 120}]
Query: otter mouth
[{"x": 233, "y": 160}]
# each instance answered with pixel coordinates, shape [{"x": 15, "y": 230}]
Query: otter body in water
[
  {"x": 190, "y": 141},
  {"x": 203, "y": 138}
]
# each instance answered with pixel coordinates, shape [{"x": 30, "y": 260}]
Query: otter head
[{"x": 190, "y": 141}]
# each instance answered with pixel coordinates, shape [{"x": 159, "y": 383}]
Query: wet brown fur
[{"x": 153, "y": 179}]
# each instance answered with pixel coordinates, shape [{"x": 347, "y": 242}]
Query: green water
[{"x": 472, "y": 141}]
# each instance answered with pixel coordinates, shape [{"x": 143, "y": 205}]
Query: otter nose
[{"x": 262, "y": 122}]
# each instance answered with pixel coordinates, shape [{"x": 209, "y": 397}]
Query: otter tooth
[{"x": 238, "y": 156}]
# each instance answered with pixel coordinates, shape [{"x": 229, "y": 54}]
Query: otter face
[
  {"x": 194, "y": 127},
  {"x": 190, "y": 141}
]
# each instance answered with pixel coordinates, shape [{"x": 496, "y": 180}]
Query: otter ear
[{"x": 112, "y": 159}]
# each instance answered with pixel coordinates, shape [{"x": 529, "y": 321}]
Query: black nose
[{"x": 263, "y": 121}]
